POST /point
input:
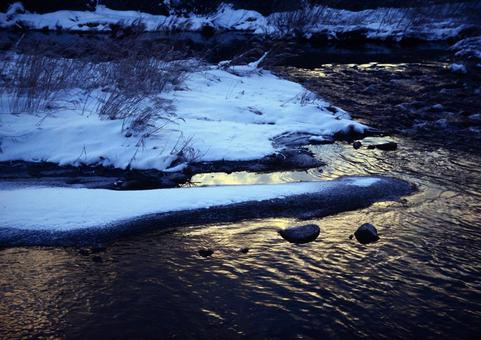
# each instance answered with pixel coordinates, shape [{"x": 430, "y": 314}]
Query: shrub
[
  {"x": 35, "y": 81},
  {"x": 298, "y": 21},
  {"x": 145, "y": 75}
]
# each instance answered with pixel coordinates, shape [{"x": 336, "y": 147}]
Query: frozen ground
[
  {"x": 427, "y": 23},
  {"x": 219, "y": 115}
]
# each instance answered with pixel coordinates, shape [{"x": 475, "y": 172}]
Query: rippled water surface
[{"x": 422, "y": 279}]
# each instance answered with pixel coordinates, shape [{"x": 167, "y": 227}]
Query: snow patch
[
  {"x": 458, "y": 68},
  {"x": 468, "y": 48},
  {"x": 13, "y": 9},
  {"x": 62, "y": 209},
  {"x": 362, "y": 181}
]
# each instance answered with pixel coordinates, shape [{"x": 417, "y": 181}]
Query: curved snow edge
[{"x": 330, "y": 197}]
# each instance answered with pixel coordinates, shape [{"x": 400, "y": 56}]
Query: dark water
[
  {"x": 221, "y": 46},
  {"x": 422, "y": 279}
]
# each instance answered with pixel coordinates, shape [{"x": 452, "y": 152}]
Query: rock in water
[
  {"x": 301, "y": 234},
  {"x": 356, "y": 145},
  {"x": 389, "y": 146},
  {"x": 84, "y": 252},
  {"x": 366, "y": 233},
  {"x": 244, "y": 250},
  {"x": 207, "y": 31},
  {"x": 206, "y": 252}
]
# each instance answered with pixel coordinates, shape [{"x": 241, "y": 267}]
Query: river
[{"x": 422, "y": 279}]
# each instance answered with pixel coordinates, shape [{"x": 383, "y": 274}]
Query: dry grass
[
  {"x": 131, "y": 89},
  {"x": 35, "y": 82},
  {"x": 412, "y": 14},
  {"x": 140, "y": 114},
  {"x": 123, "y": 29},
  {"x": 299, "y": 21},
  {"x": 146, "y": 75}
]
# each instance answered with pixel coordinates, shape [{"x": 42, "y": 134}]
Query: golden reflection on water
[
  {"x": 317, "y": 72},
  {"x": 389, "y": 67},
  {"x": 326, "y": 69},
  {"x": 244, "y": 177},
  {"x": 259, "y": 230},
  {"x": 341, "y": 160},
  {"x": 33, "y": 285},
  {"x": 26, "y": 285}
]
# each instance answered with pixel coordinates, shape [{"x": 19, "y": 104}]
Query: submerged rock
[
  {"x": 300, "y": 234},
  {"x": 98, "y": 249},
  {"x": 371, "y": 89},
  {"x": 436, "y": 108},
  {"x": 206, "y": 252},
  {"x": 475, "y": 118},
  {"x": 207, "y": 31},
  {"x": 244, "y": 250},
  {"x": 366, "y": 233},
  {"x": 84, "y": 252},
  {"x": 389, "y": 146}
]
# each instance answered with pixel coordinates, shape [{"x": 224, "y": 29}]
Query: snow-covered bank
[
  {"x": 224, "y": 116},
  {"x": 103, "y": 18},
  {"x": 469, "y": 48},
  {"x": 61, "y": 209},
  {"x": 426, "y": 23},
  {"x": 61, "y": 216}
]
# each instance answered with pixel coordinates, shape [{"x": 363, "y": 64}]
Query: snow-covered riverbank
[
  {"x": 67, "y": 216},
  {"x": 219, "y": 114},
  {"x": 380, "y": 23},
  {"x": 62, "y": 209}
]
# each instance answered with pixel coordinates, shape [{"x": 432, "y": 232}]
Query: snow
[
  {"x": 225, "y": 18},
  {"x": 475, "y": 117},
  {"x": 458, "y": 68},
  {"x": 102, "y": 17},
  {"x": 365, "y": 181},
  {"x": 61, "y": 209},
  {"x": 224, "y": 116},
  {"x": 380, "y": 23},
  {"x": 469, "y": 48},
  {"x": 320, "y": 139},
  {"x": 241, "y": 20},
  {"x": 13, "y": 9}
]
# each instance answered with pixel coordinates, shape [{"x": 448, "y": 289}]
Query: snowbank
[
  {"x": 381, "y": 23},
  {"x": 458, "y": 68},
  {"x": 223, "y": 115},
  {"x": 468, "y": 48},
  {"x": 62, "y": 209},
  {"x": 102, "y": 18}
]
